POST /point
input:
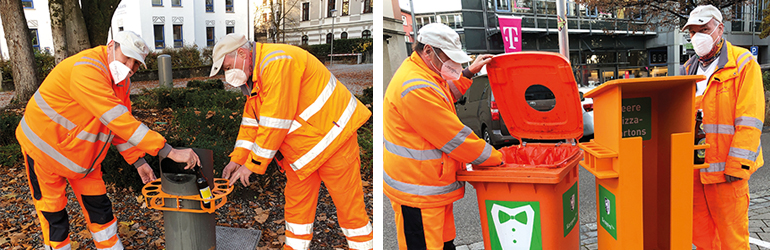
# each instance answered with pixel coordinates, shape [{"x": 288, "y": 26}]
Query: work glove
[
  {"x": 184, "y": 156},
  {"x": 145, "y": 171},
  {"x": 230, "y": 169},
  {"x": 242, "y": 173}
]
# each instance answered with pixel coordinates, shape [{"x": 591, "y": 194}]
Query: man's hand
[
  {"x": 243, "y": 173},
  {"x": 184, "y": 156},
  {"x": 480, "y": 61},
  {"x": 730, "y": 178},
  {"x": 230, "y": 169},
  {"x": 146, "y": 173}
]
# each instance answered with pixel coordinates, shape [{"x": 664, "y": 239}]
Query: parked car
[{"x": 478, "y": 110}]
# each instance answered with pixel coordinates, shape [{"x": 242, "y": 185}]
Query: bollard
[{"x": 165, "y": 78}]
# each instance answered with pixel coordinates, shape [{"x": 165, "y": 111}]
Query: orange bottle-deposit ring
[{"x": 156, "y": 198}]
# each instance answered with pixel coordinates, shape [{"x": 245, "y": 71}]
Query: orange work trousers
[
  {"x": 341, "y": 175},
  {"x": 720, "y": 215},
  {"x": 425, "y": 228},
  {"x": 48, "y": 186}
]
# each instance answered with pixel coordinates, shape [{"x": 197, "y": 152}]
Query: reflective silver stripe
[
  {"x": 244, "y": 144},
  {"x": 271, "y": 54},
  {"x": 297, "y": 244},
  {"x": 118, "y": 246},
  {"x": 86, "y": 136},
  {"x": 718, "y": 129},
  {"x": 360, "y": 245},
  {"x": 261, "y": 152},
  {"x": 51, "y": 113},
  {"x": 123, "y": 146},
  {"x": 107, "y": 233},
  {"x": 264, "y": 65},
  {"x": 748, "y": 121},
  {"x": 455, "y": 91},
  {"x": 457, "y": 140},
  {"x": 48, "y": 150},
  {"x": 139, "y": 134},
  {"x": 744, "y": 61},
  {"x": 421, "y": 189},
  {"x": 321, "y": 100},
  {"x": 416, "y": 154},
  {"x": 299, "y": 229},
  {"x": 271, "y": 122},
  {"x": 294, "y": 126},
  {"x": 113, "y": 114},
  {"x": 420, "y": 86},
  {"x": 65, "y": 247},
  {"x": 714, "y": 167},
  {"x": 365, "y": 230},
  {"x": 96, "y": 61},
  {"x": 420, "y": 80},
  {"x": 484, "y": 155},
  {"x": 249, "y": 122},
  {"x": 328, "y": 138},
  {"x": 744, "y": 154},
  {"x": 89, "y": 63}
]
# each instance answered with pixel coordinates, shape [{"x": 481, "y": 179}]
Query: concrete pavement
[{"x": 468, "y": 223}]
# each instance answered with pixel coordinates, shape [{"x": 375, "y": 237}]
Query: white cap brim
[
  {"x": 127, "y": 51},
  {"x": 696, "y": 21},
  {"x": 216, "y": 66},
  {"x": 458, "y": 56}
]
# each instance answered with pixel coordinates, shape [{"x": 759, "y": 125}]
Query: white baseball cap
[
  {"x": 441, "y": 36},
  {"x": 702, "y": 15},
  {"x": 227, "y": 44},
  {"x": 132, "y": 45}
]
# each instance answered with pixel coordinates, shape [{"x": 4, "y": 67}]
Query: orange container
[{"x": 532, "y": 201}]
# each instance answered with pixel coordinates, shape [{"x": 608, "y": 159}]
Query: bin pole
[
  {"x": 189, "y": 231},
  {"x": 164, "y": 71}
]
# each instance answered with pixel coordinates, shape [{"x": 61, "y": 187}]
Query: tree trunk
[
  {"x": 19, "y": 42},
  {"x": 98, "y": 18},
  {"x": 58, "y": 30},
  {"x": 77, "y": 34}
]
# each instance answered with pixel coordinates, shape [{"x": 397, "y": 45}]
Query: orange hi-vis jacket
[
  {"x": 733, "y": 113},
  {"x": 425, "y": 142},
  {"x": 298, "y": 107},
  {"x": 77, "y": 110}
]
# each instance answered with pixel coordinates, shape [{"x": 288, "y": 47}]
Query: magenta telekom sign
[{"x": 510, "y": 28}]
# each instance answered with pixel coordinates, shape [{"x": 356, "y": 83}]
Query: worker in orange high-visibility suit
[
  {"x": 296, "y": 106},
  {"x": 732, "y": 101},
  {"x": 425, "y": 142},
  {"x": 80, "y": 108}
]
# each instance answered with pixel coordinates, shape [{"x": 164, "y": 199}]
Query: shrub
[
  {"x": 766, "y": 80},
  {"x": 206, "y": 85},
  {"x": 10, "y": 155},
  {"x": 44, "y": 61},
  {"x": 8, "y": 123},
  {"x": 185, "y": 57},
  {"x": 356, "y": 45}
]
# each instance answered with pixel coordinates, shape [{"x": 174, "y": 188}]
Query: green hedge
[
  {"x": 185, "y": 57},
  {"x": 10, "y": 151},
  {"x": 342, "y": 46}
]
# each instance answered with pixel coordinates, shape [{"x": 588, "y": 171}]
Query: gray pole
[
  {"x": 331, "y": 52},
  {"x": 414, "y": 22},
  {"x": 561, "y": 7},
  {"x": 164, "y": 71},
  {"x": 187, "y": 231}
]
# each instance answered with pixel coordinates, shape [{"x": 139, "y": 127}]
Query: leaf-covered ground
[{"x": 259, "y": 206}]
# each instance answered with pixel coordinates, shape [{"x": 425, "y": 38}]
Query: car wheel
[{"x": 487, "y": 137}]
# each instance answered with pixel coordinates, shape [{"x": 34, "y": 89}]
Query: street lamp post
[{"x": 331, "y": 51}]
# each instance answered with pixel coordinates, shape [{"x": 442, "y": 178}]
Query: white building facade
[
  {"x": 351, "y": 19},
  {"x": 161, "y": 23}
]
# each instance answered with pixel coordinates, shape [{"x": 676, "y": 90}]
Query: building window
[
  {"x": 330, "y": 7},
  {"x": 230, "y": 29},
  {"x": 157, "y": 2},
  {"x": 304, "y": 39},
  {"x": 27, "y": 4},
  {"x": 35, "y": 40},
  {"x": 368, "y": 6},
  {"x": 229, "y": 6},
  {"x": 176, "y": 3},
  {"x": 344, "y": 35},
  {"x": 305, "y": 11},
  {"x": 503, "y": 5},
  {"x": 178, "y": 43},
  {"x": 366, "y": 34},
  {"x": 403, "y": 18},
  {"x": 210, "y": 36},
  {"x": 209, "y": 5},
  {"x": 345, "y": 7},
  {"x": 159, "y": 40},
  {"x": 329, "y": 38}
]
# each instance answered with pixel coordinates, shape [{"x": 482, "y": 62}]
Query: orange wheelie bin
[{"x": 532, "y": 201}]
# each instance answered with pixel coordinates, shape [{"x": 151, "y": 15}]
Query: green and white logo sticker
[
  {"x": 570, "y": 209},
  {"x": 607, "y": 215},
  {"x": 514, "y": 225}
]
